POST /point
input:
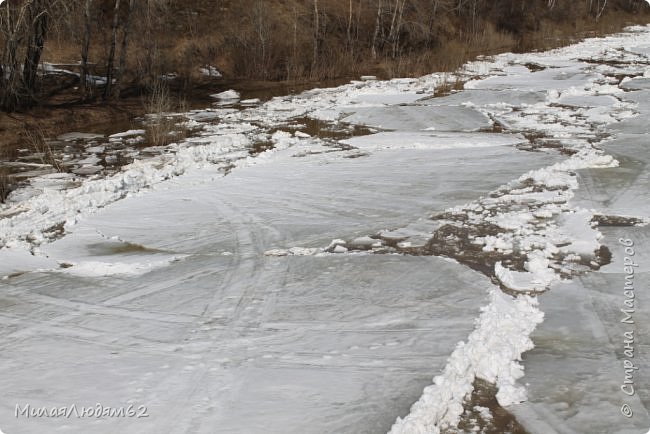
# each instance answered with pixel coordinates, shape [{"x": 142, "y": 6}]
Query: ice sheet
[
  {"x": 580, "y": 346},
  {"x": 413, "y": 118},
  {"x": 433, "y": 140}
]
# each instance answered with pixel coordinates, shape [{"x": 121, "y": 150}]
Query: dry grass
[
  {"x": 5, "y": 181},
  {"x": 35, "y": 139},
  {"x": 160, "y": 99},
  {"x": 5, "y": 185},
  {"x": 449, "y": 56},
  {"x": 448, "y": 85},
  {"x": 552, "y": 35},
  {"x": 163, "y": 127}
]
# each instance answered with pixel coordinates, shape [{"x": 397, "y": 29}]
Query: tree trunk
[
  {"x": 392, "y": 21},
  {"x": 261, "y": 16},
  {"x": 316, "y": 36},
  {"x": 11, "y": 77},
  {"x": 11, "y": 81},
  {"x": 349, "y": 29},
  {"x": 292, "y": 70},
  {"x": 432, "y": 21},
  {"x": 11, "y": 87},
  {"x": 602, "y": 9},
  {"x": 85, "y": 44},
  {"x": 358, "y": 26},
  {"x": 123, "y": 50},
  {"x": 39, "y": 17},
  {"x": 396, "y": 25},
  {"x": 24, "y": 29},
  {"x": 34, "y": 51},
  {"x": 108, "y": 90},
  {"x": 375, "y": 36}
]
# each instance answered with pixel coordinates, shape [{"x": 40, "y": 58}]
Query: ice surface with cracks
[
  {"x": 436, "y": 409},
  {"x": 569, "y": 102}
]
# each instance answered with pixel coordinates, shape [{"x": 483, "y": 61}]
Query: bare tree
[
  {"x": 13, "y": 28},
  {"x": 124, "y": 49},
  {"x": 601, "y": 10},
  {"x": 396, "y": 26},
  {"x": 378, "y": 29},
  {"x": 260, "y": 17},
  {"x": 316, "y": 36},
  {"x": 38, "y": 15},
  {"x": 24, "y": 27},
  {"x": 108, "y": 90},
  {"x": 349, "y": 28},
  {"x": 85, "y": 45}
]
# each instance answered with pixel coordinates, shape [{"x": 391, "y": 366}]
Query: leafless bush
[
  {"x": 41, "y": 147},
  {"x": 159, "y": 99},
  {"x": 5, "y": 185},
  {"x": 163, "y": 127}
]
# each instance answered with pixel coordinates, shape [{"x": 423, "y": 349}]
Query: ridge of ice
[{"x": 505, "y": 323}]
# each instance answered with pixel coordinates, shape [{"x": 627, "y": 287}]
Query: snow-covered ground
[{"x": 203, "y": 284}]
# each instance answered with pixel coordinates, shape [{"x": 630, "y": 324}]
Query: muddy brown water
[
  {"x": 473, "y": 420},
  {"x": 265, "y": 90}
]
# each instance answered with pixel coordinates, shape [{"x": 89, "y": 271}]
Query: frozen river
[{"x": 319, "y": 286}]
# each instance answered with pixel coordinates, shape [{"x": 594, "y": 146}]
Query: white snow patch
[
  {"x": 226, "y": 95},
  {"x": 484, "y": 412},
  {"x": 129, "y": 133},
  {"x": 210, "y": 71},
  {"x": 250, "y": 101},
  {"x": 537, "y": 278},
  {"x": 105, "y": 269}
]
